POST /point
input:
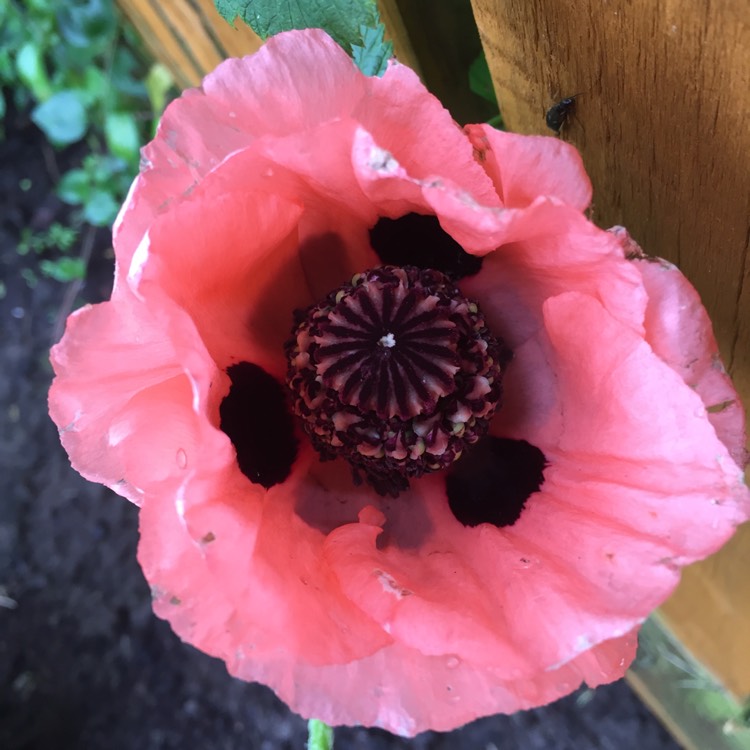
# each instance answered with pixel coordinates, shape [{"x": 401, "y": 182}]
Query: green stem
[{"x": 319, "y": 735}]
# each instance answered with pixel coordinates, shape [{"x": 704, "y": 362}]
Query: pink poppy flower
[{"x": 417, "y": 598}]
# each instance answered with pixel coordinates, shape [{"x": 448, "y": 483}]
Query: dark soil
[{"x": 83, "y": 661}]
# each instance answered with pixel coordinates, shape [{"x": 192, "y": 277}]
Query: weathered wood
[
  {"x": 662, "y": 120},
  {"x": 188, "y": 36}
]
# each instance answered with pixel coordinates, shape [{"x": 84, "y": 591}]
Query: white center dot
[{"x": 388, "y": 341}]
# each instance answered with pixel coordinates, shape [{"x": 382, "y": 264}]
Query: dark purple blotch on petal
[
  {"x": 491, "y": 483},
  {"x": 419, "y": 240},
  {"x": 255, "y": 416}
]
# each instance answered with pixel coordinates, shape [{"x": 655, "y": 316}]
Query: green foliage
[
  {"x": 83, "y": 76},
  {"x": 354, "y": 24},
  {"x": 63, "y": 269},
  {"x": 319, "y": 735},
  {"x": 480, "y": 82},
  {"x": 97, "y": 187},
  {"x": 62, "y": 117},
  {"x": 56, "y": 236},
  {"x": 342, "y": 19},
  {"x": 158, "y": 85},
  {"x": 31, "y": 71},
  {"x": 373, "y": 55}
]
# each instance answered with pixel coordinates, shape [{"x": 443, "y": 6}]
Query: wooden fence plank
[{"x": 662, "y": 121}]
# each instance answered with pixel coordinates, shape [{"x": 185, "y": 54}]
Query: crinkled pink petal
[
  {"x": 99, "y": 389},
  {"x": 294, "y": 83},
  {"x": 397, "y": 687},
  {"x": 586, "y": 571},
  {"x": 395, "y": 192},
  {"x": 645, "y": 412},
  {"x": 680, "y": 332},
  {"x": 480, "y": 227},
  {"x": 245, "y": 256},
  {"x": 238, "y": 571},
  {"x": 405, "y": 692},
  {"x": 555, "y": 250},
  {"x": 525, "y": 167},
  {"x": 257, "y": 197}
]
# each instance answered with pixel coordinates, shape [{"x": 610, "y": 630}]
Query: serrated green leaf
[
  {"x": 62, "y": 118},
  {"x": 373, "y": 55},
  {"x": 342, "y": 19}
]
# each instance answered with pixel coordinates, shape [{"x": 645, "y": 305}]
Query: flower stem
[{"x": 319, "y": 735}]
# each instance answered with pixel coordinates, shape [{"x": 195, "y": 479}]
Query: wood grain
[
  {"x": 188, "y": 36},
  {"x": 663, "y": 123}
]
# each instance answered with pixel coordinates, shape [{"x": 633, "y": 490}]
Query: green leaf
[
  {"x": 75, "y": 187},
  {"x": 480, "y": 80},
  {"x": 62, "y": 118},
  {"x": 31, "y": 71},
  {"x": 93, "y": 86},
  {"x": 319, "y": 735},
  {"x": 100, "y": 210},
  {"x": 342, "y": 19},
  {"x": 102, "y": 169},
  {"x": 28, "y": 275},
  {"x": 87, "y": 24},
  {"x": 126, "y": 76},
  {"x": 158, "y": 83},
  {"x": 123, "y": 138},
  {"x": 63, "y": 269},
  {"x": 61, "y": 236},
  {"x": 373, "y": 55}
]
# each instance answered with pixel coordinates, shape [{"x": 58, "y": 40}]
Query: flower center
[{"x": 395, "y": 371}]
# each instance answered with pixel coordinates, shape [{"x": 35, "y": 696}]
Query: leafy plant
[
  {"x": 480, "y": 82},
  {"x": 83, "y": 76},
  {"x": 354, "y": 24}
]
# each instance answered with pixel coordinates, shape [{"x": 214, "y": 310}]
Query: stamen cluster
[{"x": 395, "y": 371}]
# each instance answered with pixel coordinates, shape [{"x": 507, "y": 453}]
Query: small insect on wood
[{"x": 558, "y": 114}]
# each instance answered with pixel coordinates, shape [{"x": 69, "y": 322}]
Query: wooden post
[
  {"x": 662, "y": 119},
  {"x": 188, "y": 36}
]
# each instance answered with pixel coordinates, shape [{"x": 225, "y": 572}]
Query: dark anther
[
  {"x": 491, "y": 482},
  {"x": 256, "y": 418},
  {"x": 418, "y": 240}
]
